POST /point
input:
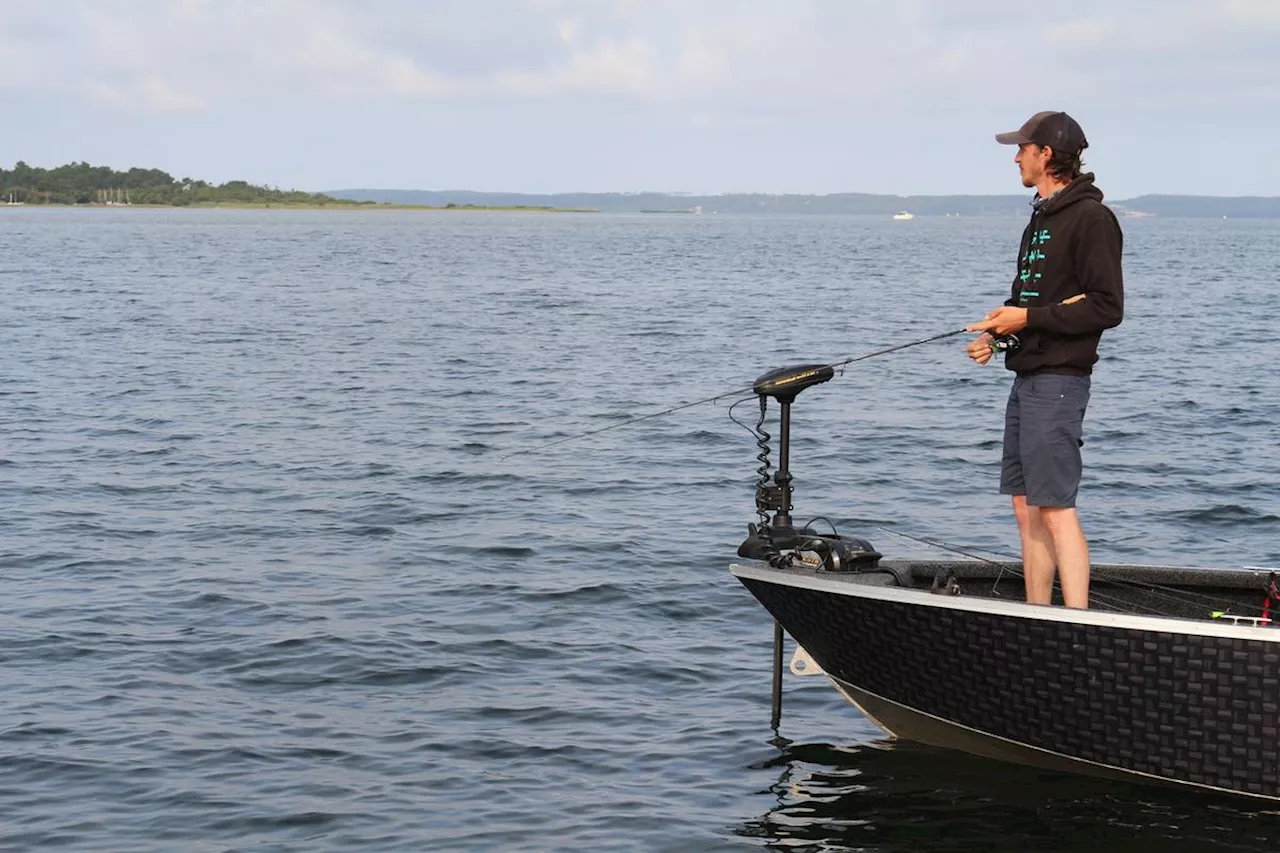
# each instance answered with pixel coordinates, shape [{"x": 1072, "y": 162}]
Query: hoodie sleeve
[{"x": 1097, "y": 258}]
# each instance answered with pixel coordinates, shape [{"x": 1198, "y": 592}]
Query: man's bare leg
[
  {"x": 1072, "y": 552},
  {"x": 1038, "y": 563}
]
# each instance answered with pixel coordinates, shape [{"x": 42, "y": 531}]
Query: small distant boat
[
  {"x": 903, "y": 214},
  {"x": 696, "y": 210}
]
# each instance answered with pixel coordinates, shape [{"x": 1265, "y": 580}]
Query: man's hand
[
  {"x": 980, "y": 348},
  {"x": 1005, "y": 320}
]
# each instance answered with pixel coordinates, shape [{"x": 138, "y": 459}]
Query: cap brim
[{"x": 1014, "y": 137}]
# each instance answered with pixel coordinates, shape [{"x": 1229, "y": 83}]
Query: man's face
[{"x": 1032, "y": 160}]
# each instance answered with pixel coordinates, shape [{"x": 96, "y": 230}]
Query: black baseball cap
[{"x": 1055, "y": 129}]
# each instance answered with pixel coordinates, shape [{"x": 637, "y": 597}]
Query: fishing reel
[
  {"x": 1004, "y": 343},
  {"x": 768, "y": 540}
]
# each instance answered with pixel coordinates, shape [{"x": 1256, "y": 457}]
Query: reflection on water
[{"x": 906, "y": 797}]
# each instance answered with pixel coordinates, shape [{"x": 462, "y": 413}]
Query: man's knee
[
  {"x": 1059, "y": 519},
  {"x": 1027, "y": 516}
]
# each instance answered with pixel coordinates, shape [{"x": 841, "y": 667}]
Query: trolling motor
[{"x": 768, "y": 540}]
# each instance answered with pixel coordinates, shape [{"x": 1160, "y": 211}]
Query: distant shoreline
[
  {"x": 1208, "y": 207},
  {"x": 1169, "y": 208},
  {"x": 79, "y": 184},
  {"x": 237, "y": 205},
  {"x": 83, "y": 185}
]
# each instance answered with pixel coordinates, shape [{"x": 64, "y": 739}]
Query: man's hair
[{"x": 1065, "y": 166}]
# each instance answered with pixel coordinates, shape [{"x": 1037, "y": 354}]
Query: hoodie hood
[{"x": 1078, "y": 190}]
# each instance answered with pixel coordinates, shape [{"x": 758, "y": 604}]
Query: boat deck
[{"x": 1171, "y": 591}]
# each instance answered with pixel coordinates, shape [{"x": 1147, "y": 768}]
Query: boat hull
[{"x": 1108, "y": 694}]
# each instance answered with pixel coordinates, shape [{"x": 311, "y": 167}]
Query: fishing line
[
  {"x": 1168, "y": 593},
  {"x": 835, "y": 365},
  {"x": 627, "y": 422},
  {"x": 1097, "y": 596},
  {"x": 1155, "y": 590},
  {"x": 937, "y": 543}
]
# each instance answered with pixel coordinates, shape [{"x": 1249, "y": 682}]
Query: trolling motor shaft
[
  {"x": 783, "y": 385},
  {"x": 768, "y": 539}
]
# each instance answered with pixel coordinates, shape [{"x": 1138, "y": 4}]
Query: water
[{"x": 269, "y": 583}]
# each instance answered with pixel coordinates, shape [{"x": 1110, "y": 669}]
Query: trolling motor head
[
  {"x": 767, "y": 540},
  {"x": 785, "y": 383}
]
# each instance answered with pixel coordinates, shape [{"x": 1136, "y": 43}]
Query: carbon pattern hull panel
[{"x": 1171, "y": 705}]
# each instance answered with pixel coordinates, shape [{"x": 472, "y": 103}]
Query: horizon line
[{"x": 687, "y": 194}]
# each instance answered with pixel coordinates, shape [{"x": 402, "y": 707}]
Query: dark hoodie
[{"x": 1071, "y": 246}]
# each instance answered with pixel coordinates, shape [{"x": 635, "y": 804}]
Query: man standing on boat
[{"x": 1067, "y": 290}]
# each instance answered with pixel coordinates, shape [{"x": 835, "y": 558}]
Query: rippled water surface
[{"x": 270, "y": 579}]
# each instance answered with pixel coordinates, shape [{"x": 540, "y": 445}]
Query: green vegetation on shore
[{"x": 83, "y": 184}]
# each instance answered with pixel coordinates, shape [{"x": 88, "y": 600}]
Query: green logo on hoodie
[{"x": 1033, "y": 256}]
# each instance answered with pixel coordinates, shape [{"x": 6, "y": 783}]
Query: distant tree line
[
  {"x": 81, "y": 183},
  {"x": 865, "y": 204}
]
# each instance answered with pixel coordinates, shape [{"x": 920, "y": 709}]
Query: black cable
[
  {"x": 747, "y": 427},
  {"x": 810, "y": 522}
]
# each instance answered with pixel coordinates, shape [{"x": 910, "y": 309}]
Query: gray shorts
[{"x": 1043, "y": 425}]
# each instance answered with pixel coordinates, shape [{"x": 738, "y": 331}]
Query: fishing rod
[{"x": 835, "y": 365}]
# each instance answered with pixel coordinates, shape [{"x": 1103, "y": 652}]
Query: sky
[{"x": 700, "y": 96}]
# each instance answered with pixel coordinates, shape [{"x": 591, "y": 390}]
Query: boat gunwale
[{"x": 854, "y": 584}]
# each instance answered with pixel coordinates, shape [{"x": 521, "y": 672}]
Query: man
[{"x": 1068, "y": 288}]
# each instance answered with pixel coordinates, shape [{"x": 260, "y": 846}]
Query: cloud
[
  {"x": 158, "y": 94},
  {"x": 827, "y": 88},
  {"x": 1253, "y": 12},
  {"x": 192, "y": 54},
  {"x": 1083, "y": 33}
]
